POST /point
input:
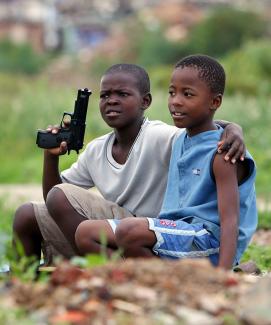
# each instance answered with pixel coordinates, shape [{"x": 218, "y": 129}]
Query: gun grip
[{"x": 48, "y": 140}]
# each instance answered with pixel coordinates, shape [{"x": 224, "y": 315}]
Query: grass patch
[
  {"x": 11, "y": 316},
  {"x": 6, "y": 215},
  {"x": 261, "y": 255},
  {"x": 38, "y": 103},
  {"x": 264, "y": 221}
]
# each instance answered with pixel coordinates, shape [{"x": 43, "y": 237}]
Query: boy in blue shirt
[{"x": 209, "y": 208}]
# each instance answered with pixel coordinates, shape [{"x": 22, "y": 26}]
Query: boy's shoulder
[
  {"x": 159, "y": 134},
  {"x": 159, "y": 127}
]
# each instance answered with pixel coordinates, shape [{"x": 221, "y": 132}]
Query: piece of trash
[
  {"x": 4, "y": 268},
  {"x": 249, "y": 267}
]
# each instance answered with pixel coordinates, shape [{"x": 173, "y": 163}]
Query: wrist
[{"x": 50, "y": 156}]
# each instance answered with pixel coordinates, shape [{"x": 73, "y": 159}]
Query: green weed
[
  {"x": 22, "y": 267},
  {"x": 12, "y": 255},
  {"x": 92, "y": 260},
  {"x": 230, "y": 319}
]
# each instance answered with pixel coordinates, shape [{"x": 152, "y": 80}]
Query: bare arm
[
  {"x": 228, "y": 209},
  {"x": 51, "y": 175},
  {"x": 232, "y": 141}
]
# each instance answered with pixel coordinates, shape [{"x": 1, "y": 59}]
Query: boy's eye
[
  {"x": 103, "y": 96},
  {"x": 188, "y": 93},
  {"x": 171, "y": 93},
  {"x": 123, "y": 94}
]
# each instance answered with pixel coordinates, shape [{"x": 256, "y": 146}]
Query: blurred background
[{"x": 49, "y": 49}]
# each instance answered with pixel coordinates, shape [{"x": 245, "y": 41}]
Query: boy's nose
[
  {"x": 112, "y": 99},
  {"x": 176, "y": 101}
]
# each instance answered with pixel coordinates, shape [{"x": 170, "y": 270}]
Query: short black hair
[
  {"x": 210, "y": 71},
  {"x": 139, "y": 73}
]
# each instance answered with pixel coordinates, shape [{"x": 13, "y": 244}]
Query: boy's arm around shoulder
[
  {"x": 228, "y": 208},
  {"x": 232, "y": 141}
]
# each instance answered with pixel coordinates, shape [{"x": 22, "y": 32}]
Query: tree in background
[
  {"x": 249, "y": 69},
  {"x": 20, "y": 58},
  {"x": 224, "y": 30}
]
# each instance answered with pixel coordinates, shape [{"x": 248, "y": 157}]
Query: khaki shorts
[{"x": 87, "y": 203}]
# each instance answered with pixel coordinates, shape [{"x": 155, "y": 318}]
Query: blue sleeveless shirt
[{"x": 191, "y": 193}]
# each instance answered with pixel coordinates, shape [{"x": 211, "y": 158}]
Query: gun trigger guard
[{"x": 64, "y": 114}]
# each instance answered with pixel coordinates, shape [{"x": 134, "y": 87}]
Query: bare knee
[
  {"x": 83, "y": 236},
  {"x": 134, "y": 237},
  {"x": 24, "y": 220},
  {"x": 87, "y": 237},
  {"x": 127, "y": 232},
  {"x": 57, "y": 203}
]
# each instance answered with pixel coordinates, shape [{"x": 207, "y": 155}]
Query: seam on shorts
[
  {"x": 112, "y": 224},
  {"x": 159, "y": 238},
  {"x": 191, "y": 254},
  {"x": 193, "y": 233}
]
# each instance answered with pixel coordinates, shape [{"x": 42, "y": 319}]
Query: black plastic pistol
[{"x": 74, "y": 132}]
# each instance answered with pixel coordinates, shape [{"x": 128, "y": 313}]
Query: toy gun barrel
[{"x": 78, "y": 120}]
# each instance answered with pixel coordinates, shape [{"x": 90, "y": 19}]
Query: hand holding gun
[{"x": 72, "y": 134}]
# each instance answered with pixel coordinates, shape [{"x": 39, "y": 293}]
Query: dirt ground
[
  {"x": 16, "y": 194},
  {"x": 147, "y": 292},
  {"x": 139, "y": 291},
  {"x": 19, "y": 193}
]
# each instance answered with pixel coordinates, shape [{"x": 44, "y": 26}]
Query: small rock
[
  {"x": 249, "y": 267},
  {"x": 214, "y": 304},
  {"x": 191, "y": 316}
]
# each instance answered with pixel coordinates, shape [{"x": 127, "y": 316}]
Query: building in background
[
  {"x": 74, "y": 25},
  {"x": 35, "y": 22}
]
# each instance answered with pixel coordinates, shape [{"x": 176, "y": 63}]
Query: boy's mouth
[
  {"x": 178, "y": 114},
  {"x": 112, "y": 113}
]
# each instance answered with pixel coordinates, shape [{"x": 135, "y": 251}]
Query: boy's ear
[
  {"x": 216, "y": 102},
  {"x": 146, "y": 101}
]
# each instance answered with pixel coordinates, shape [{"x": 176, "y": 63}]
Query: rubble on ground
[{"x": 137, "y": 291}]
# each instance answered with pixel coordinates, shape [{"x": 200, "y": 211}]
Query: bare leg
[
  {"x": 26, "y": 230},
  {"x": 135, "y": 238},
  {"x": 89, "y": 234},
  {"x": 63, "y": 213}
]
